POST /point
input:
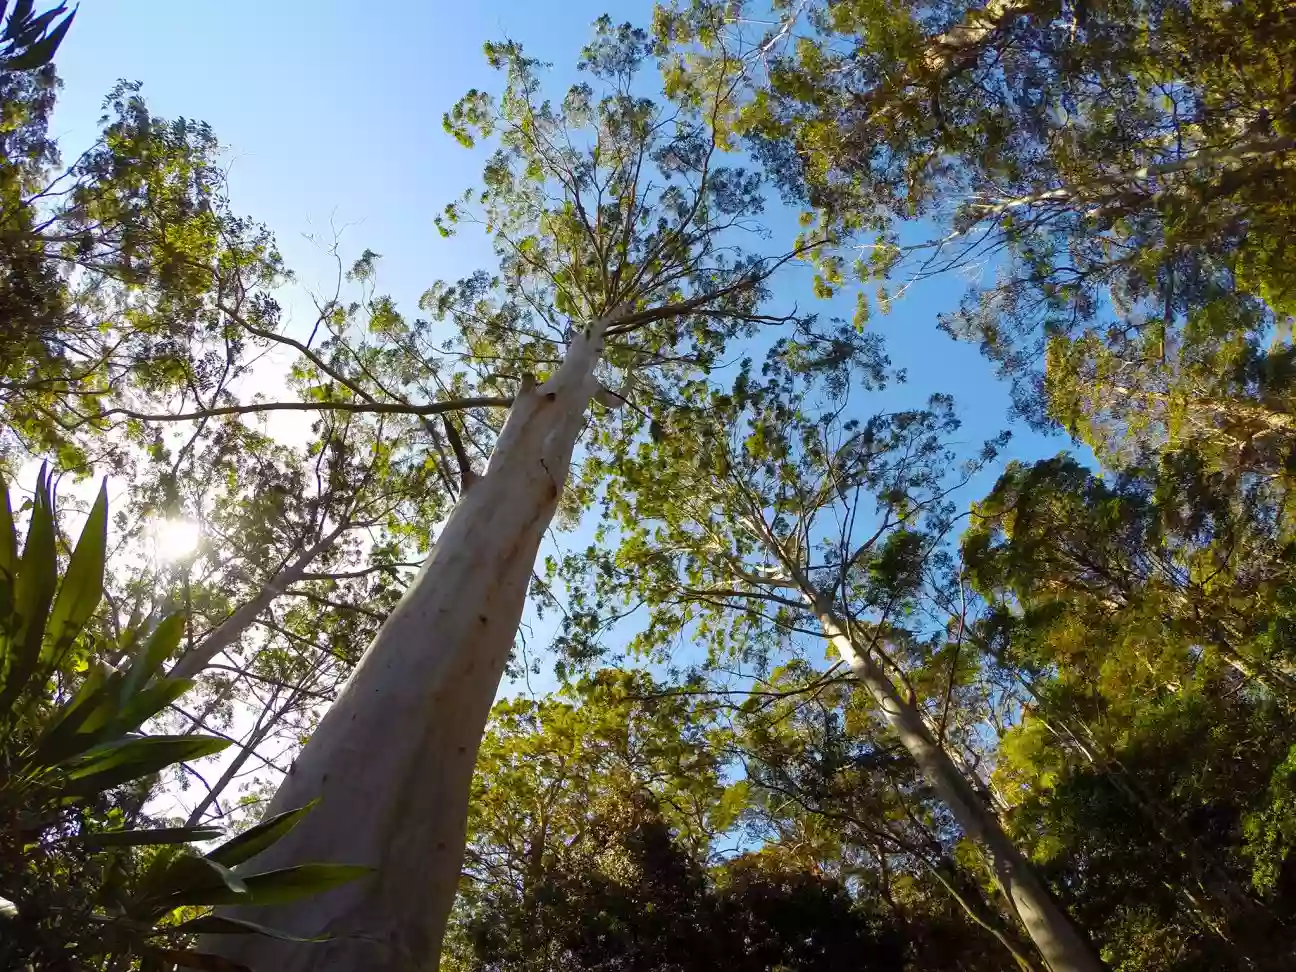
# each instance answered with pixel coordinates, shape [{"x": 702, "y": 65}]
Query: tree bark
[
  {"x": 978, "y": 910},
  {"x": 225, "y": 634},
  {"x": 247, "y": 747},
  {"x": 392, "y": 760},
  {"x": 266, "y": 722},
  {"x": 1062, "y": 946}
]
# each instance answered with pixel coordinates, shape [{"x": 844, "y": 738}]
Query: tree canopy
[{"x": 828, "y": 681}]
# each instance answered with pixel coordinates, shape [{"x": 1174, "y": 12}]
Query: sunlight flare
[{"x": 175, "y": 540}]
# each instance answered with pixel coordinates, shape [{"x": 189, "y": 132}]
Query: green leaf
[
  {"x": 93, "y": 718},
  {"x": 275, "y": 887},
  {"x": 63, "y": 739},
  {"x": 82, "y": 586},
  {"x": 160, "y": 646},
  {"x": 34, "y": 27},
  {"x": 150, "y": 701},
  {"x": 256, "y": 839},
  {"x": 8, "y": 536},
  {"x": 42, "y": 51},
  {"x": 115, "y": 763},
  {"x": 138, "y": 838},
  {"x": 220, "y": 925},
  {"x": 33, "y": 592},
  {"x": 22, "y": 12},
  {"x": 187, "y": 879},
  {"x": 290, "y": 883},
  {"x": 231, "y": 880}
]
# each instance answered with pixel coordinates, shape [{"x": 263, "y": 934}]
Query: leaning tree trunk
[
  {"x": 978, "y": 910},
  {"x": 392, "y": 760},
  {"x": 1063, "y": 947},
  {"x": 192, "y": 663}
]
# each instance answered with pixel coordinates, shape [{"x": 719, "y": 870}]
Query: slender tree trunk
[
  {"x": 978, "y": 910},
  {"x": 228, "y": 632},
  {"x": 1063, "y": 947},
  {"x": 247, "y": 748},
  {"x": 392, "y": 760}
]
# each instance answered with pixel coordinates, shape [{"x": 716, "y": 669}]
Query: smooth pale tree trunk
[
  {"x": 945, "y": 871},
  {"x": 392, "y": 761},
  {"x": 1062, "y": 946},
  {"x": 229, "y": 631}
]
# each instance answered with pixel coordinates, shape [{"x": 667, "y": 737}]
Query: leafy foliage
[
  {"x": 1105, "y": 660},
  {"x": 1142, "y": 622},
  {"x": 1122, "y": 171},
  {"x": 30, "y": 40},
  {"x": 116, "y": 272},
  {"x": 619, "y": 877},
  {"x": 83, "y": 875},
  {"x": 609, "y": 203}
]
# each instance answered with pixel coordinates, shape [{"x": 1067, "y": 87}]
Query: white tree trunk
[
  {"x": 392, "y": 760},
  {"x": 229, "y": 631},
  {"x": 246, "y": 748},
  {"x": 1063, "y": 947}
]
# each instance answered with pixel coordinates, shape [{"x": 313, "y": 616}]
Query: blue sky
[
  {"x": 332, "y": 115},
  {"x": 331, "y": 112}
]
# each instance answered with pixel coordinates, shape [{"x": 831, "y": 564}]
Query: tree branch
[{"x": 374, "y": 408}]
